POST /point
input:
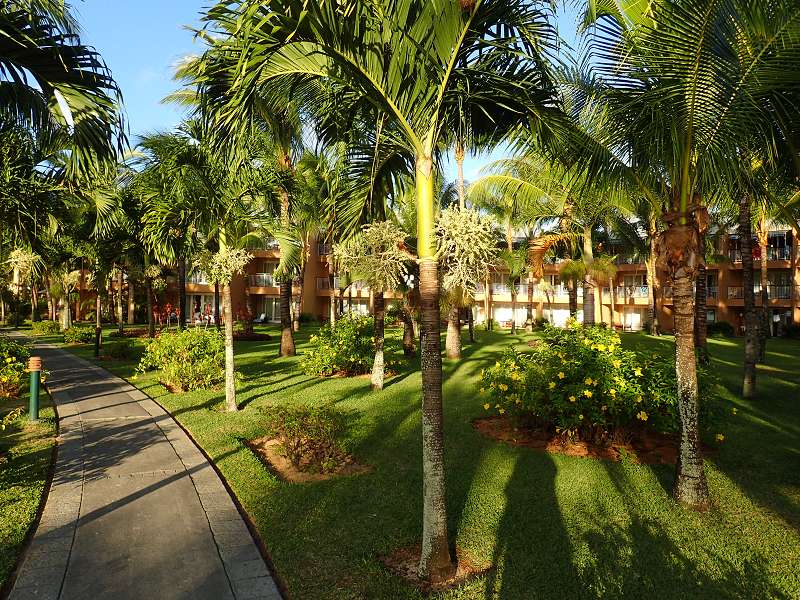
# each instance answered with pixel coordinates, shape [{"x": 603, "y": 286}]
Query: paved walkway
[{"x": 134, "y": 511}]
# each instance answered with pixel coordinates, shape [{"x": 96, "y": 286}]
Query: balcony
[
  {"x": 633, "y": 291},
  {"x": 324, "y": 249},
  {"x": 338, "y": 284},
  {"x": 262, "y": 280},
  {"x": 779, "y": 253},
  {"x": 712, "y": 291},
  {"x": 198, "y": 278}
]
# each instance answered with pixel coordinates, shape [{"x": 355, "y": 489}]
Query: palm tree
[
  {"x": 516, "y": 263},
  {"x": 688, "y": 86},
  {"x": 493, "y": 48},
  {"x": 52, "y": 82}
]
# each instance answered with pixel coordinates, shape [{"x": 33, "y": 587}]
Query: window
[{"x": 711, "y": 316}]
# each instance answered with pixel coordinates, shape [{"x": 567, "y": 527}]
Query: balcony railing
[
  {"x": 262, "y": 280},
  {"x": 779, "y": 292},
  {"x": 198, "y": 278},
  {"x": 712, "y": 291},
  {"x": 338, "y": 284},
  {"x": 779, "y": 254},
  {"x": 633, "y": 291}
]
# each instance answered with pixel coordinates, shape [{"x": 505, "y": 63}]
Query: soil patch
[
  {"x": 268, "y": 452},
  {"x": 130, "y": 333},
  {"x": 645, "y": 447},
  {"x": 252, "y": 337},
  {"x": 404, "y": 563}
]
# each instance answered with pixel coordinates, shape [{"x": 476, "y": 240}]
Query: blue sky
[{"x": 142, "y": 40}]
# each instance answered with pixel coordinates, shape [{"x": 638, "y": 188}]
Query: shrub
[
  {"x": 11, "y": 319},
  {"x": 79, "y": 334},
  {"x": 580, "y": 383},
  {"x": 311, "y": 437},
  {"x": 720, "y": 328},
  {"x": 45, "y": 328},
  {"x": 13, "y": 359},
  {"x": 121, "y": 350},
  {"x": 189, "y": 360},
  {"x": 345, "y": 349},
  {"x": 540, "y": 322},
  {"x": 308, "y": 318},
  {"x": 791, "y": 330}
]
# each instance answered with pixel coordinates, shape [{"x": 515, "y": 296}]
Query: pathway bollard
[{"x": 35, "y": 368}]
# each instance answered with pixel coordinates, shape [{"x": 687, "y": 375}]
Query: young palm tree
[
  {"x": 516, "y": 263},
  {"x": 369, "y": 52}
]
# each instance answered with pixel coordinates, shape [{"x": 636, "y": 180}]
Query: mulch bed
[
  {"x": 141, "y": 332},
  {"x": 252, "y": 337},
  {"x": 644, "y": 447},
  {"x": 267, "y": 451},
  {"x": 404, "y": 563}
]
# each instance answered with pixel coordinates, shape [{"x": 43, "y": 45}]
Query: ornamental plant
[
  {"x": 45, "y": 328},
  {"x": 79, "y": 335},
  {"x": 192, "y": 359},
  {"x": 346, "y": 348},
  {"x": 581, "y": 384},
  {"x": 13, "y": 359}
]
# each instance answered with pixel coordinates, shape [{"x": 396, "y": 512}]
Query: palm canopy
[
  {"x": 690, "y": 88},
  {"x": 50, "y": 80}
]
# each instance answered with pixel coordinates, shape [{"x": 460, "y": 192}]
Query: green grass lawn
[
  {"x": 553, "y": 526},
  {"x": 26, "y": 450}
]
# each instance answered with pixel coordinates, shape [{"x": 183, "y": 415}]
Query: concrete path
[{"x": 134, "y": 511}]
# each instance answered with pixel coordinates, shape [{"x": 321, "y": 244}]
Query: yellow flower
[
  {"x": 588, "y": 381},
  {"x": 515, "y": 376},
  {"x": 613, "y": 393},
  {"x": 601, "y": 347},
  {"x": 587, "y": 342},
  {"x": 486, "y": 406},
  {"x": 617, "y": 363},
  {"x": 580, "y": 417},
  {"x": 561, "y": 355},
  {"x": 561, "y": 375},
  {"x": 587, "y": 393},
  {"x": 503, "y": 387},
  {"x": 483, "y": 390},
  {"x": 638, "y": 398},
  {"x": 572, "y": 398},
  {"x": 551, "y": 385},
  {"x": 642, "y": 416},
  {"x": 502, "y": 410},
  {"x": 637, "y": 371},
  {"x": 734, "y": 411},
  {"x": 719, "y": 437}
]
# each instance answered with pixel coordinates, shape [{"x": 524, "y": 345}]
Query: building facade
[{"x": 622, "y": 302}]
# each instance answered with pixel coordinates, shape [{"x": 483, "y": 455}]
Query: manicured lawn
[
  {"x": 553, "y": 526},
  {"x": 26, "y": 450}
]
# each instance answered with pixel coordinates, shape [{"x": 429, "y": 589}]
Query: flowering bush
[
  {"x": 189, "y": 360},
  {"x": 13, "y": 357},
  {"x": 45, "y": 328},
  {"x": 344, "y": 349},
  {"x": 580, "y": 382},
  {"x": 79, "y": 335}
]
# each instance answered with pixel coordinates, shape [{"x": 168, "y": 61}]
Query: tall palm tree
[
  {"x": 688, "y": 86},
  {"x": 369, "y": 52}
]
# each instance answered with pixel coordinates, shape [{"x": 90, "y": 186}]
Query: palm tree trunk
[
  {"x": 471, "y": 326},
  {"x": 181, "y": 293},
  {"x": 151, "y": 323},
  {"x": 652, "y": 309},
  {"x": 750, "y": 314},
  {"x": 34, "y": 304},
  {"x": 98, "y": 325},
  {"x": 453, "y": 338},
  {"x": 287, "y": 339},
  {"x": 230, "y": 375},
  {"x": 764, "y": 332},
  {"x": 131, "y": 302},
  {"x": 613, "y": 293},
  {"x": 487, "y": 290},
  {"x": 588, "y": 303},
  {"x": 333, "y": 308},
  {"x": 691, "y": 487},
  {"x": 216, "y": 306},
  {"x": 700, "y": 318},
  {"x": 513, "y": 308},
  {"x": 50, "y": 308},
  {"x": 529, "y": 316},
  {"x": 379, "y": 312},
  {"x": 572, "y": 291},
  {"x": 298, "y": 300},
  {"x": 409, "y": 347},
  {"x": 120, "y": 322},
  {"x": 460, "y": 175},
  {"x": 435, "y": 564}
]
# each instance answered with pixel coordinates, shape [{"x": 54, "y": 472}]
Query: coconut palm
[
  {"x": 369, "y": 52},
  {"x": 688, "y": 87}
]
